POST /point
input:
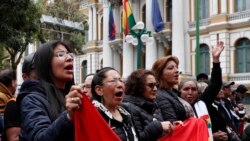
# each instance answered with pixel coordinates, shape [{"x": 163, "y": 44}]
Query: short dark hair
[
  {"x": 98, "y": 80},
  {"x": 201, "y": 75},
  {"x": 242, "y": 89},
  {"x": 7, "y": 75},
  {"x": 135, "y": 84}
]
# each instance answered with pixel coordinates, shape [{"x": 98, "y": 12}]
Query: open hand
[{"x": 216, "y": 51}]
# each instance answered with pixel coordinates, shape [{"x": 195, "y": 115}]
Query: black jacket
[
  {"x": 170, "y": 106},
  {"x": 217, "y": 120},
  {"x": 214, "y": 86},
  {"x": 146, "y": 117}
]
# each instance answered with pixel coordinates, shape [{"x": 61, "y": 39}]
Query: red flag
[
  {"x": 90, "y": 126},
  {"x": 193, "y": 129}
]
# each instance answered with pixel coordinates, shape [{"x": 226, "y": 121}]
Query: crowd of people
[{"x": 149, "y": 105}]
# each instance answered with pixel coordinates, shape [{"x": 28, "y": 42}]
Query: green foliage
[
  {"x": 78, "y": 40},
  {"x": 3, "y": 56},
  {"x": 19, "y": 25},
  {"x": 67, "y": 10}
]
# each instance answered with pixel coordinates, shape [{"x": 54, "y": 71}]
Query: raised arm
[{"x": 216, "y": 77}]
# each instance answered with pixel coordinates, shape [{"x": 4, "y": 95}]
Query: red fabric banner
[
  {"x": 193, "y": 129},
  {"x": 90, "y": 126}
]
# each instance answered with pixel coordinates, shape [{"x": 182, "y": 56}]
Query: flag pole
[{"x": 197, "y": 50}]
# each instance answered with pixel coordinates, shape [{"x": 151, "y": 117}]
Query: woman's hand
[
  {"x": 167, "y": 127},
  {"x": 179, "y": 122},
  {"x": 73, "y": 100},
  {"x": 220, "y": 136}
]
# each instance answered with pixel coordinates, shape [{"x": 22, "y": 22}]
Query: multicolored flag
[
  {"x": 112, "y": 30},
  {"x": 128, "y": 20},
  {"x": 156, "y": 16}
]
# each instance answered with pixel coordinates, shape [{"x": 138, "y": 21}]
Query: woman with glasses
[
  {"x": 48, "y": 104},
  {"x": 86, "y": 86},
  {"x": 139, "y": 100},
  {"x": 201, "y": 103},
  {"x": 108, "y": 91}
]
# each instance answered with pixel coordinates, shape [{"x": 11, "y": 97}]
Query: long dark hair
[
  {"x": 98, "y": 80},
  {"x": 42, "y": 59}
]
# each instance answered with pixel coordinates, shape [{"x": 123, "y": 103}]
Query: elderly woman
[
  {"x": 141, "y": 90},
  {"x": 167, "y": 75},
  {"x": 108, "y": 91},
  {"x": 189, "y": 91}
]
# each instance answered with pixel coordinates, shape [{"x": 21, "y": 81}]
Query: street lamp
[{"x": 137, "y": 35}]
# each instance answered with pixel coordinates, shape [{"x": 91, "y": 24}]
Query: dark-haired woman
[
  {"x": 108, "y": 90},
  {"x": 139, "y": 100},
  {"x": 48, "y": 104}
]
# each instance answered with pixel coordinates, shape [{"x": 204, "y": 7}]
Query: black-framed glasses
[
  {"x": 152, "y": 85},
  {"x": 64, "y": 54}
]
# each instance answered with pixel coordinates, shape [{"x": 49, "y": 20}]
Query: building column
[
  {"x": 192, "y": 7},
  {"x": 94, "y": 23},
  {"x": 160, "y": 49},
  {"x": 213, "y": 7},
  {"x": 178, "y": 46},
  {"x": 116, "y": 57},
  {"x": 107, "y": 51},
  {"x": 90, "y": 24},
  {"x": 128, "y": 59},
  {"x": 99, "y": 28},
  {"x": 231, "y": 6},
  {"x": 224, "y": 6},
  {"x": 151, "y": 48}
]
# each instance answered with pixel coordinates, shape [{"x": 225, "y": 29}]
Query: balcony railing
[
  {"x": 239, "y": 15},
  {"x": 240, "y": 77},
  {"x": 61, "y": 22},
  {"x": 203, "y": 22},
  {"x": 231, "y": 17}
]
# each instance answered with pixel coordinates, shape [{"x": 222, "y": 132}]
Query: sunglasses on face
[{"x": 152, "y": 85}]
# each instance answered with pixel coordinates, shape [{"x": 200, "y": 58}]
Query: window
[
  {"x": 204, "y": 59},
  {"x": 101, "y": 35},
  {"x": 144, "y": 14},
  {"x": 204, "y": 9},
  {"x": 242, "y": 56},
  {"x": 242, "y": 5},
  {"x": 169, "y": 11},
  {"x": 84, "y": 70}
]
